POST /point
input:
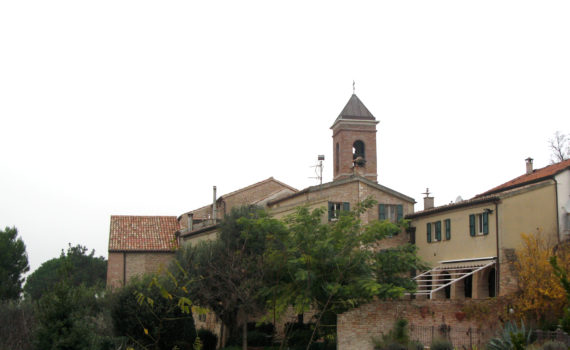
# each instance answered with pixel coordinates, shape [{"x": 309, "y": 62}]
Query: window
[
  {"x": 391, "y": 212},
  {"x": 202, "y": 317},
  {"x": 335, "y": 208},
  {"x": 468, "y": 286},
  {"x": 336, "y": 158},
  {"x": 567, "y": 221},
  {"x": 428, "y": 229},
  {"x": 447, "y": 229},
  {"x": 479, "y": 224},
  {"x": 358, "y": 150},
  {"x": 437, "y": 226}
]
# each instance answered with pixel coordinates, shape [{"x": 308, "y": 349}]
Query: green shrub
[
  {"x": 415, "y": 345},
  {"x": 209, "y": 339},
  {"x": 554, "y": 345},
  {"x": 397, "y": 338},
  {"x": 511, "y": 337},
  {"x": 441, "y": 344},
  {"x": 160, "y": 325}
]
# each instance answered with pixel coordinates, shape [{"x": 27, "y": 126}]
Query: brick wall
[
  {"x": 345, "y": 134},
  {"x": 358, "y": 327},
  {"x": 136, "y": 264},
  {"x": 115, "y": 270}
]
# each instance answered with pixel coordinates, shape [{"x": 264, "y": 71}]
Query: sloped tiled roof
[
  {"x": 462, "y": 204},
  {"x": 536, "y": 176},
  {"x": 355, "y": 109},
  {"x": 243, "y": 189},
  {"x": 143, "y": 233},
  {"x": 335, "y": 183}
]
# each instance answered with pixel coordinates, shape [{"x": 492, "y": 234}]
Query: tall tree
[
  {"x": 559, "y": 145},
  {"x": 333, "y": 267},
  {"x": 227, "y": 274},
  {"x": 76, "y": 265},
  {"x": 541, "y": 296},
  {"x": 13, "y": 263}
]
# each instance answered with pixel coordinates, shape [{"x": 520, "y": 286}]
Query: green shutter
[
  {"x": 448, "y": 229},
  {"x": 429, "y": 232},
  {"x": 485, "y": 223},
  {"x": 400, "y": 209},
  {"x": 330, "y": 211},
  {"x": 381, "y": 212},
  {"x": 346, "y": 206},
  {"x": 472, "y": 225},
  {"x": 438, "y": 231}
]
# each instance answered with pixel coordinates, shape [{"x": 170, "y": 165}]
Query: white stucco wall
[{"x": 563, "y": 205}]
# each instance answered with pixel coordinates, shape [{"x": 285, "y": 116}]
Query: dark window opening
[
  {"x": 428, "y": 284},
  {"x": 358, "y": 153},
  {"x": 446, "y": 279},
  {"x": 468, "y": 286},
  {"x": 492, "y": 283},
  {"x": 336, "y": 158}
]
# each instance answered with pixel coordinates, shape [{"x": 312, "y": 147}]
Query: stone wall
[
  {"x": 126, "y": 265},
  {"x": 358, "y": 327}
]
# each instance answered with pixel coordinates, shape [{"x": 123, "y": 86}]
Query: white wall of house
[{"x": 563, "y": 205}]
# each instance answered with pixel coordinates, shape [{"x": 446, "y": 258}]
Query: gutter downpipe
[{"x": 498, "y": 269}]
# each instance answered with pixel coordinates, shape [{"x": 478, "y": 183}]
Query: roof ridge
[{"x": 540, "y": 174}]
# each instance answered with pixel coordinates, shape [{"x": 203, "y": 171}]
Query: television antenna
[{"x": 319, "y": 169}]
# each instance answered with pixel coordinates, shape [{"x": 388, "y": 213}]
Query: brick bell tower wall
[{"x": 345, "y": 134}]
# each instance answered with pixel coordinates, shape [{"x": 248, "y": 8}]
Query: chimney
[
  {"x": 428, "y": 201},
  {"x": 190, "y": 221},
  {"x": 214, "y": 209},
  {"x": 529, "y": 165}
]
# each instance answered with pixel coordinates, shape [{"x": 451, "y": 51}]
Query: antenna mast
[{"x": 319, "y": 169}]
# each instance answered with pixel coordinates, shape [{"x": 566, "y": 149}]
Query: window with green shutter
[
  {"x": 335, "y": 209},
  {"x": 438, "y": 231},
  {"x": 447, "y": 229},
  {"x": 391, "y": 212},
  {"x": 485, "y": 223},
  {"x": 429, "y": 232},
  {"x": 381, "y": 212},
  {"x": 472, "y": 225}
]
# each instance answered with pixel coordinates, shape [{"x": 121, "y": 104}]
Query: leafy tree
[
  {"x": 561, "y": 272},
  {"x": 71, "y": 317},
  {"x": 148, "y": 313},
  {"x": 333, "y": 267},
  {"x": 541, "y": 297},
  {"x": 13, "y": 263},
  {"x": 75, "y": 265},
  {"x": 227, "y": 274}
]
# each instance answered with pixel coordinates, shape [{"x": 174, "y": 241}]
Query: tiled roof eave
[{"x": 444, "y": 208}]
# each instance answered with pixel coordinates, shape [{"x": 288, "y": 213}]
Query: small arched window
[
  {"x": 358, "y": 150},
  {"x": 336, "y": 157}
]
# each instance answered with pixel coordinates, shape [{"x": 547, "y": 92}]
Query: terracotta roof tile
[
  {"x": 143, "y": 233},
  {"x": 452, "y": 206},
  {"x": 535, "y": 176}
]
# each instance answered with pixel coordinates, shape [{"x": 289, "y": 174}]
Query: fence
[
  {"x": 468, "y": 338},
  {"x": 461, "y": 338},
  {"x": 559, "y": 335}
]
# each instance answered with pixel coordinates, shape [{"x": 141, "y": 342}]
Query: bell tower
[{"x": 354, "y": 142}]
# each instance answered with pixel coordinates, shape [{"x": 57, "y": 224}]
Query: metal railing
[{"x": 461, "y": 338}]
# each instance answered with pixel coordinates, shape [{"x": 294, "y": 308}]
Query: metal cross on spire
[
  {"x": 426, "y": 192},
  {"x": 353, "y": 87}
]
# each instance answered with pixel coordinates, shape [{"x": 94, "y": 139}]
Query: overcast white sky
[{"x": 140, "y": 107}]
